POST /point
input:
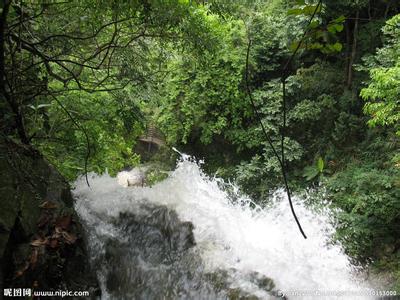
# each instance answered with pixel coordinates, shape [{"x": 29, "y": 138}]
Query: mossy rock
[{"x": 33, "y": 196}]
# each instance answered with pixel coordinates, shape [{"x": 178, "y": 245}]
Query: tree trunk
[
  {"x": 387, "y": 9},
  {"x": 3, "y": 89},
  {"x": 347, "y": 53},
  {"x": 353, "y": 52}
]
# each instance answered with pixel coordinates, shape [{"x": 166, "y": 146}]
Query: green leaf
[
  {"x": 332, "y": 48},
  {"x": 314, "y": 24},
  {"x": 43, "y": 105},
  {"x": 315, "y": 46},
  {"x": 340, "y": 19},
  {"x": 333, "y": 28},
  {"x": 320, "y": 165},
  {"x": 339, "y": 27},
  {"x": 295, "y": 11},
  {"x": 319, "y": 34},
  {"x": 293, "y": 46},
  {"x": 38, "y": 106},
  {"x": 310, "y": 173},
  {"x": 310, "y": 9},
  {"x": 337, "y": 46}
]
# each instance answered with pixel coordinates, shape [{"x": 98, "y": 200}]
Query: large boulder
[{"x": 41, "y": 239}]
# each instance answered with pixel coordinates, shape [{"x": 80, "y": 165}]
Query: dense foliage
[
  {"x": 74, "y": 72},
  {"x": 82, "y": 81},
  {"x": 383, "y": 91}
]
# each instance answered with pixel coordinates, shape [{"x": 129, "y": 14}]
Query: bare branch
[{"x": 84, "y": 132}]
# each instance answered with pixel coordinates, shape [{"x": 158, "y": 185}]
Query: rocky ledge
[{"x": 41, "y": 240}]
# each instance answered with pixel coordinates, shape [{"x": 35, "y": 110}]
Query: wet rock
[
  {"x": 157, "y": 230},
  {"x": 238, "y": 294},
  {"x": 151, "y": 254},
  {"x": 134, "y": 177},
  {"x": 149, "y": 251},
  {"x": 35, "y": 250},
  {"x": 262, "y": 281},
  {"x": 222, "y": 280}
]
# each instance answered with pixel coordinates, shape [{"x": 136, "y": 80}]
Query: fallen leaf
[
  {"x": 69, "y": 237},
  {"x": 21, "y": 272},
  {"x": 57, "y": 234},
  {"x": 39, "y": 242},
  {"x": 18, "y": 274},
  {"x": 44, "y": 220},
  {"x": 48, "y": 205},
  {"x": 53, "y": 243},
  {"x": 34, "y": 258},
  {"x": 64, "y": 222}
]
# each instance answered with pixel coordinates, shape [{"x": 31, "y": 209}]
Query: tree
[
  {"x": 59, "y": 60},
  {"x": 383, "y": 92}
]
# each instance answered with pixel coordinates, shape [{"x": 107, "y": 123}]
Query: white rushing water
[{"x": 234, "y": 234}]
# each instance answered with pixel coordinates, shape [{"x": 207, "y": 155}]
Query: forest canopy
[{"x": 82, "y": 80}]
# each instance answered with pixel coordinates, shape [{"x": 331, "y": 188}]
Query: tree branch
[
  {"x": 84, "y": 132},
  {"x": 3, "y": 89}
]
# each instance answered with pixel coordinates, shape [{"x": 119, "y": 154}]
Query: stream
[{"x": 188, "y": 237}]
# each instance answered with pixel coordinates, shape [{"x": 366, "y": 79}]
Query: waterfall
[{"x": 187, "y": 237}]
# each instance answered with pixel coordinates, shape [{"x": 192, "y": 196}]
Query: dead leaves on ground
[
  {"x": 64, "y": 222},
  {"x": 22, "y": 271},
  {"x": 59, "y": 233},
  {"x": 34, "y": 257},
  {"x": 39, "y": 242},
  {"x": 69, "y": 237},
  {"x": 53, "y": 234},
  {"x": 48, "y": 205},
  {"x": 63, "y": 236},
  {"x": 53, "y": 243},
  {"x": 59, "y": 228},
  {"x": 56, "y": 240},
  {"x": 31, "y": 262},
  {"x": 44, "y": 220}
]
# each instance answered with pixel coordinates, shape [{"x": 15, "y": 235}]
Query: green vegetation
[
  {"x": 383, "y": 91},
  {"x": 83, "y": 79}
]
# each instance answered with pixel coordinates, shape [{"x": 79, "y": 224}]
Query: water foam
[{"x": 235, "y": 234}]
